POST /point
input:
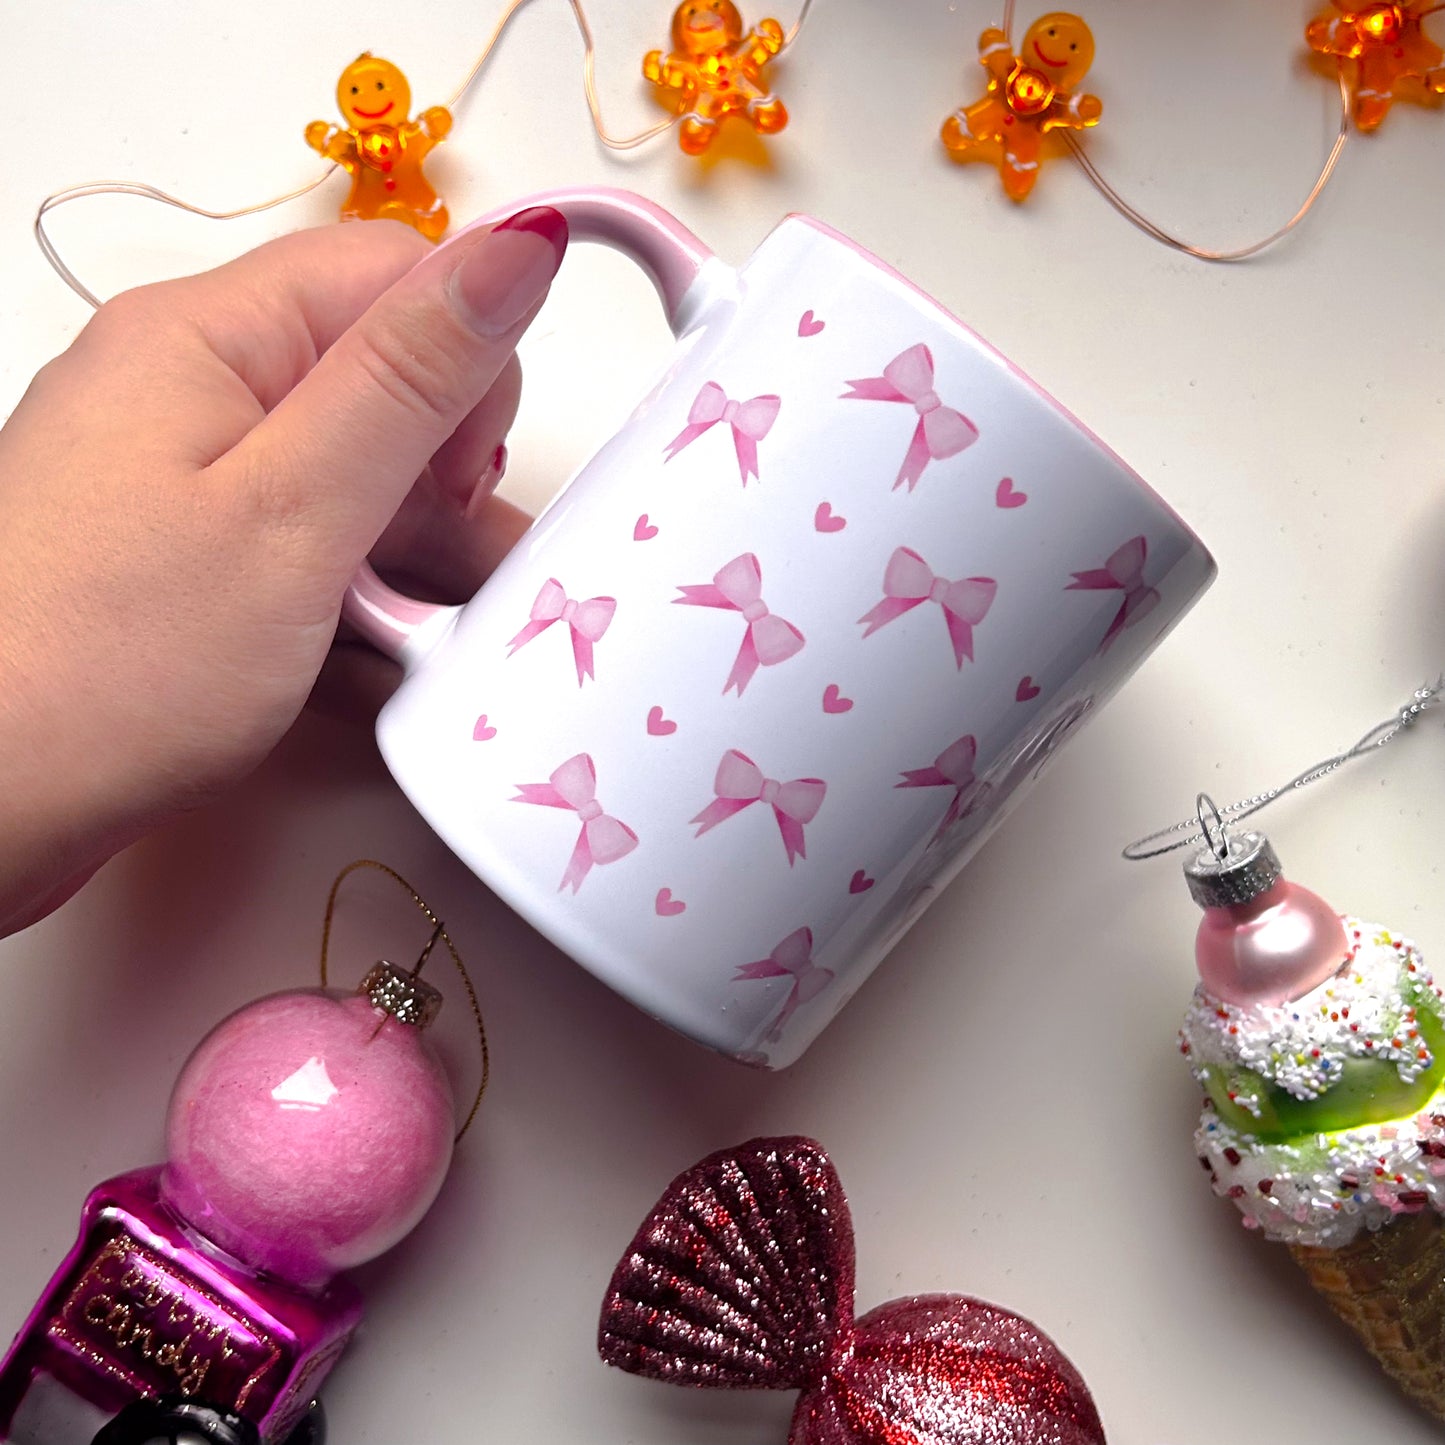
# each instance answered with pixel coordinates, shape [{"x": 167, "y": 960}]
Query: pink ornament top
[
  {"x": 1263, "y": 939},
  {"x": 1273, "y": 949}
]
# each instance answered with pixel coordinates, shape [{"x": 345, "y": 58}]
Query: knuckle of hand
[
  {"x": 384, "y": 239},
  {"x": 270, "y": 500},
  {"x": 137, "y": 306},
  {"x": 395, "y": 237},
  {"x": 425, "y": 376}
]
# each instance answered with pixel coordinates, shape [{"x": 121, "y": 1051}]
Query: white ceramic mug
[{"x": 762, "y": 676}]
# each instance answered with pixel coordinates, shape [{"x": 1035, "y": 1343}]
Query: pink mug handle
[{"x": 672, "y": 257}]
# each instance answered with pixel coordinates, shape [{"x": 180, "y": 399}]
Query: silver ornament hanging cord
[{"x": 1379, "y": 736}]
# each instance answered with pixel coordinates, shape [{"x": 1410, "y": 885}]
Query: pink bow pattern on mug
[
  {"x": 1123, "y": 572},
  {"x": 750, "y": 421},
  {"x": 768, "y": 640},
  {"x": 587, "y": 622},
  {"x": 603, "y": 839},
  {"x": 740, "y": 783},
  {"x": 953, "y": 768},
  {"x": 794, "y": 955},
  {"x": 908, "y": 581},
  {"x": 941, "y": 432}
]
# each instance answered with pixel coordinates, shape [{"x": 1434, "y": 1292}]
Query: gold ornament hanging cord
[{"x": 439, "y": 931}]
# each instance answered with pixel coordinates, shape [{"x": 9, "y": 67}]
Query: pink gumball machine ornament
[{"x": 307, "y": 1133}]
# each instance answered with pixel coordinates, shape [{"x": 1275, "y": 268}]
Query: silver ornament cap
[
  {"x": 400, "y": 993},
  {"x": 1249, "y": 867}
]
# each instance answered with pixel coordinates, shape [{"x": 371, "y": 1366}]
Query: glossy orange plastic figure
[
  {"x": 382, "y": 149},
  {"x": 1388, "y": 46},
  {"x": 1029, "y": 95},
  {"x": 716, "y": 71}
]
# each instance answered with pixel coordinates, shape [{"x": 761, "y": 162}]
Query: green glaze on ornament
[{"x": 1369, "y": 1091}]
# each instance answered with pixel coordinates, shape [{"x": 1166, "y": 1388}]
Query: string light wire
[
  {"x": 503, "y": 21},
  {"x": 1137, "y": 218},
  {"x": 149, "y": 193},
  {"x": 153, "y": 193},
  {"x": 1151, "y": 228}
]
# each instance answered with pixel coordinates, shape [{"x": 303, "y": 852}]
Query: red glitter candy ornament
[{"x": 742, "y": 1278}]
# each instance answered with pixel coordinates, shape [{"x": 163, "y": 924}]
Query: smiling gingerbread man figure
[
  {"x": 1388, "y": 45},
  {"x": 382, "y": 149},
  {"x": 716, "y": 71},
  {"x": 1029, "y": 95}
]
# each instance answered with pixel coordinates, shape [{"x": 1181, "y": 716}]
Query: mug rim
[{"x": 1014, "y": 369}]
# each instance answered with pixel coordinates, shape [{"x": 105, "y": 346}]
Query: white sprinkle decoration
[{"x": 1323, "y": 1189}]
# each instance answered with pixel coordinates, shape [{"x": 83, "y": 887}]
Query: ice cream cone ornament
[{"x": 1319, "y": 1042}]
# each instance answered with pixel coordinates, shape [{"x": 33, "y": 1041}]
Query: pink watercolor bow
[
  {"x": 602, "y": 839},
  {"x": 953, "y": 768},
  {"x": 794, "y": 955},
  {"x": 740, "y": 783},
  {"x": 587, "y": 620},
  {"x": 1123, "y": 572},
  {"x": 751, "y": 421},
  {"x": 908, "y": 581},
  {"x": 941, "y": 432},
  {"x": 768, "y": 640}
]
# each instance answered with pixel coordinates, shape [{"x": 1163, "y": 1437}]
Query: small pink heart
[
  {"x": 643, "y": 531},
  {"x": 481, "y": 733},
  {"x": 667, "y": 906},
  {"x": 808, "y": 324},
  {"x": 860, "y": 882},
  {"x": 834, "y": 701},
  {"x": 1007, "y": 495},
  {"x": 1026, "y": 691},
  {"x": 825, "y": 519},
  {"x": 659, "y": 726}
]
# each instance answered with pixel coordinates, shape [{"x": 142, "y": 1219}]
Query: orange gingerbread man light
[
  {"x": 1029, "y": 95},
  {"x": 715, "y": 71},
  {"x": 382, "y": 149},
  {"x": 1388, "y": 46}
]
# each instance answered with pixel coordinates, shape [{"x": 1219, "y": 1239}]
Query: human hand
[{"x": 186, "y": 492}]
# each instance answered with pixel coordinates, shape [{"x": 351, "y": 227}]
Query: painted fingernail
[
  {"x": 504, "y": 276},
  {"x": 542, "y": 221},
  {"x": 488, "y": 482}
]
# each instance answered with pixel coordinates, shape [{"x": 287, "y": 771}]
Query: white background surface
[{"x": 1004, "y": 1099}]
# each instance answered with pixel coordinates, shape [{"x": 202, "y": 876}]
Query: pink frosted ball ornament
[{"x": 303, "y": 1139}]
